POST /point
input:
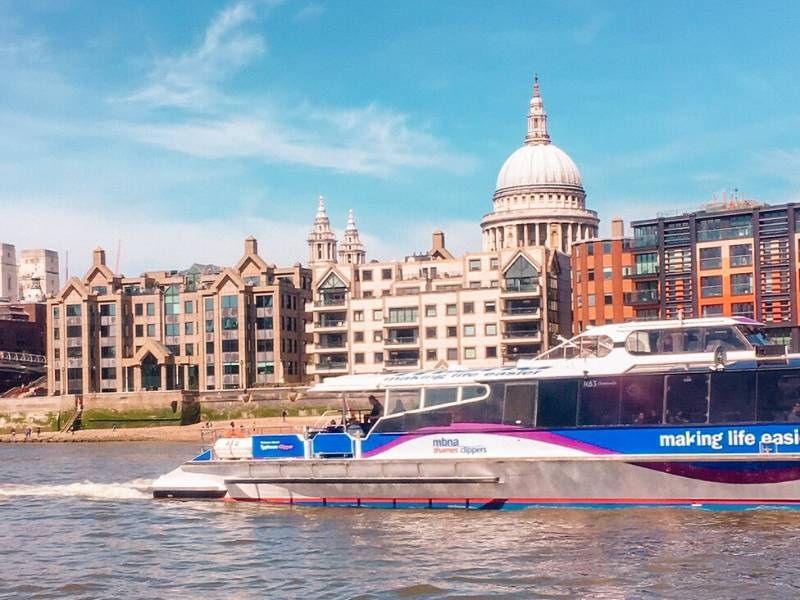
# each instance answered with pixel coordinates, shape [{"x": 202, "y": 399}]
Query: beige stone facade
[
  {"x": 206, "y": 328},
  {"x": 38, "y": 275}
]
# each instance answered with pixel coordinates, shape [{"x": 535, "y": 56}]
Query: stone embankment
[{"x": 199, "y": 432}]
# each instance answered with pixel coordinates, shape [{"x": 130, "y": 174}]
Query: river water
[{"x": 77, "y": 521}]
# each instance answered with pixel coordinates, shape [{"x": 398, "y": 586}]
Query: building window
[
  {"x": 188, "y": 349},
  {"x": 358, "y": 358},
  {"x": 711, "y": 286},
  {"x": 452, "y": 354},
  {"x": 377, "y": 357},
  {"x": 490, "y": 307},
  {"x": 151, "y": 309},
  {"x": 377, "y": 315},
  {"x": 491, "y": 351},
  {"x": 138, "y": 309},
  {"x": 607, "y": 273},
  {"x": 230, "y": 301},
  {"x": 590, "y": 275},
  {"x": 377, "y": 336},
  {"x": 386, "y": 274},
  {"x": 56, "y": 312},
  {"x": 474, "y": 264},
  {"x": 209, "y": 325},
  {"x": 151, "y": 330},
  {"x": 494, "y": 264},
  {"x": 608, "y": 299},
  {"x": 742, "y": 309},
  {"x": 366, "y": 275},
  {"x": 430, "y": 332},
  {"x": 591, "y": 300},
  {"x": 264, "y": 301},
  {"x": 469, "y": 308},
  {"x": 741, "y": 283},
  {"x": 139, "y": 329},
  {"x": 230, "y": 323},
  {"x": 209, "y": 347},
  {"x": 452, "y": 331},
  {"x": 171, "y": 330},
  {"x": 474, "y": 285},
  {"x": 108, "y": 310},
  {"x": 646, "y": 264},
  {"x": 469, "y": 330},
  {"x": 358, "y": 315},
  {"x": 710, "y": 258},
  {"x": 451, "y": 309},
  {"x": 741, "y": 255},
  {"x": 490, "y": 329},
  {"x": 430, "y": 355},
  {"x": 712, "y": 310},
  {"x": 264, "y": 323},
  {"x": 430, "y": 310},
  {"x": 188, "y": 328},
  {"x": 188, "y": 307},
  {"x": 73, "y": 310},
  {"x": 208, "y": 303},
  {"x": 470, "y": 354},
  {"x": 358, "y": 336},
  {"x": 606, "y": 247}
]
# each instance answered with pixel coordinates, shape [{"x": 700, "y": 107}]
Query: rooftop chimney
[
  {"x": 617, "y": 228},
  {"x": 438, "y": 240},
  {"x": 250, "y": 245},
  {"x": 99, "y": 257}
]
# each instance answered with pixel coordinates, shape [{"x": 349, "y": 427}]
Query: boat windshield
[
  {"x": 755, "y": 335},
  {"x": 583, "y": 346}
]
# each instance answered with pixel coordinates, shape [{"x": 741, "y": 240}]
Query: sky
[{"x": 167, "y": 132}]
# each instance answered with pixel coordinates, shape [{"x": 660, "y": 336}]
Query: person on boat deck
[{"x": 794, "y": 414}]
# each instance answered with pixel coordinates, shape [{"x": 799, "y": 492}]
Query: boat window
[
  {"x": 520, "y": 405},
  {"x": 754, "y": 335},
  {"x": 487, "y": 410},
  {"x": 669, "y": 341},
  {"x": 726, "y": 338},
  {"x": 471, "y": 392},
  {"x": 399, "y": 423},
  {"x": 733, "y": 398},
  {"x": 778, "y": 391},
  {"x": 438, "y": 396},
  {"x": 583, "y": 346},
  {"x": 642, "y": 399},
  {"x": 687, "y": 398},
  {"x": 557, "y": 404},
  {"x": 401, "y": 400},
  {"x": 599, "y": 404}
]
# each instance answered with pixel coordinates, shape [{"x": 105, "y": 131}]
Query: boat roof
[{"x": 614, "y": 330}]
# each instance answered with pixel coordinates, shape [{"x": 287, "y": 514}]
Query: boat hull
[{"x": 761, "y": 480}]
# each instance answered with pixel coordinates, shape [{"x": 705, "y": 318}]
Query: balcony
[
  {"x": 644, "y": 271},
  {"x": 529, "y": 335},
  {"x": 523, "y": 312},
  {"x": 339, "y": 322},
  {"x": 648, "y": 241},
  {"x": 327, "y": 301},
  {"x": 331, "y": 365},
  {"x": 401, "y": 341},
  {"x": 402, "y": 362},
  {"x": 741, "y": 289},
  {"x": 724, "y": 233},
  {"x": 331, "y": 344},
  {"x": 522, "y": 287},
  {"x": 641, "y": 297},
  {"x": 74, "y": 342}
]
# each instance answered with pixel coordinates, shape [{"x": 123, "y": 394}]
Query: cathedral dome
[{"x": 538, "y": 165}]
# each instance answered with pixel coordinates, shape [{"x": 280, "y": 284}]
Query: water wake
[{"x": 129, "y": 490}]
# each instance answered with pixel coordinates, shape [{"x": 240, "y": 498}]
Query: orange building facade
[{"x": 601, "y": 282}]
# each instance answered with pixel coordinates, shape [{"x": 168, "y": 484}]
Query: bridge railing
[{"x": 22, "y": 357}]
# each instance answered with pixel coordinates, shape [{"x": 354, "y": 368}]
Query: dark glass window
[
  {"x": 778, "y": 391},
  {"x": 599, "y": 404},
  {"x": 520, "y": 405},
  {"x": 558, "y": 403},
  {"x": 437, "y": 396},
  {"x": 733, "y": 398},
  {"x": 687, "y": 398},
  {"x": 642, "y": 399}
]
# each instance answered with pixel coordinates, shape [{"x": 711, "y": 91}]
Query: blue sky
[{"x": 176, "y": 129}]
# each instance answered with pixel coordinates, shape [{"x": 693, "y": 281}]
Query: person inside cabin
[
  {"x": 375, "y": 412},
  {"x": 678, "y": 417},
  {"x": 640, "y": 419},
  {"x": 794, "y": 414}
]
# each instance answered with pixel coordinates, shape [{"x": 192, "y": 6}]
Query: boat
[{"x": 691, "y": 412}]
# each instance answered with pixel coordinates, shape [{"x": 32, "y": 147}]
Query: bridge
[{"x": 19, "y": 368}]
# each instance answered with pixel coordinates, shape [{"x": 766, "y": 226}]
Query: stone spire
[
  {"x": 352, "y": 250},
  {"x": 322, "y": 239},
  {"x": 537, "y": 118}
]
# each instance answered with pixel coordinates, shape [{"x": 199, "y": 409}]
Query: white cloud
[
  {"x": 364, "y": 139},
  {"x": 312, "y": 10},
  {"x": 190, "y": 80}
]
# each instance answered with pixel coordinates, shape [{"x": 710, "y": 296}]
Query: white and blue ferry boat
[{"x": 698, "y": 412}]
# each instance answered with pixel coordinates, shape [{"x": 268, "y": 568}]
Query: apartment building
[
  {"x": 205, "y": 328},
  {"x": 731, "y": 258}
]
